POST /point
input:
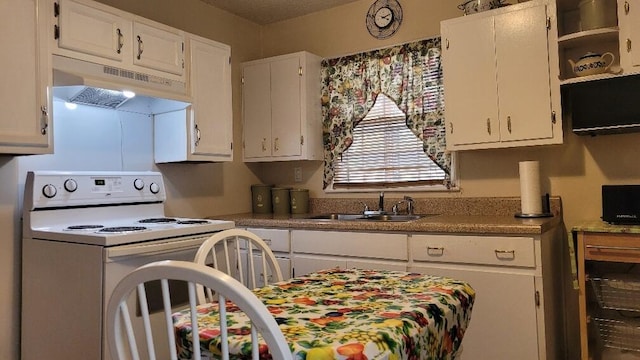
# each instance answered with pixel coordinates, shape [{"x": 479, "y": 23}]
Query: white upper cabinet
[
  {"x": 86, "y": 30},
  {"x": 204, "y": 131},
  {"x": 281, "y": 109},
  {"x": 500, "y": 79},
  {"x": 25, "y": 124},
  {"x": 157, "y": 48},
  {"x": 629, "y": 15}
]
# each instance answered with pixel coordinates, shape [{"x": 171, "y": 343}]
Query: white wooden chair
[
  {"x": 229, "y": 250},
  {"x": 121, "y": 336}
]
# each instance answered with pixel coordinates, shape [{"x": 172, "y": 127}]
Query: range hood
[{"x": 81, "y": 82}]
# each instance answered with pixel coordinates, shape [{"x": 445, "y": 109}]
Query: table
[{"x": 351, "y": 314}]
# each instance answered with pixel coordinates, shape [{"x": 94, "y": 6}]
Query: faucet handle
[
  {"x": 366, "y": 207},
  {"x": 410, "y": 204}
]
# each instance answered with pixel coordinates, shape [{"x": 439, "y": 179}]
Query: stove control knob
[
  {"x": 154, "y": 188},
  {"x": 138, "y": 184},
  {"x": 70, "y": 185},
  {"x": 49, "y": 191}
]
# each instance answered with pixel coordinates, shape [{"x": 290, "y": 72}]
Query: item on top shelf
[
  {"x": 592, "y": 64},
  {"x": 595, "y": 14},
  {"x": 280, "y": 200},
  {"x": 261, "y": 198},
  {"x": 299, "y": 201},
  {"x": 476, "y": 6}
]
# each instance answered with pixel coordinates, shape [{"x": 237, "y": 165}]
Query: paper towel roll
[{"x": 530, "y": 197}]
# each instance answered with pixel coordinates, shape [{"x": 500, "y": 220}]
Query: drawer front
[
  {"x": 370, "y": 245},
  {"x": 489, "y": 250},
  {"x": 612, "y": 247},
  {"x": 278, "y": 240}
]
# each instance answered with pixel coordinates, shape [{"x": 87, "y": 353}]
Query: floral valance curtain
[{"x": 409, "y": 74}]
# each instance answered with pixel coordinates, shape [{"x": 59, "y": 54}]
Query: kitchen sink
[
  {"x": 337, "y": 217},
  {"x": 361, "y": 217},
  {"x": 391, "y": 217}
]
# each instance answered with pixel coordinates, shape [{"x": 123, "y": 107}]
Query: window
[
  {"x": 383, "y": 120},
  {"x": 385, "y": 153}
]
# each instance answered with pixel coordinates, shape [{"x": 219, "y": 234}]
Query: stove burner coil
[
  {"x": 122, "y": 229},
  {"x": 192, "y": 222},
  {"x": 84, "y": 227},
  {"x": 157, "y": 221}
]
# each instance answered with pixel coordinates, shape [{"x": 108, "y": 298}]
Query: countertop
[
  {"x": 490, "y": 224},
  {"x": 599, "y": 226}
]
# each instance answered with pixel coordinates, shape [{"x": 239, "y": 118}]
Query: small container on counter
[
  {"x": 299, "y": 201},
  {"x": 261, "y": 198},
  {"x": 280, "y": 200}
]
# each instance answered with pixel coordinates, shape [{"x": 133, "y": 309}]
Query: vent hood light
[{"x": 128, "y": 94}]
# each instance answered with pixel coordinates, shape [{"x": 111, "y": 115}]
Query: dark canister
[
  {"x": 280, "y": 200},
  {"x": 261, "y": 198},
  {"x": 299, "y": 201}
]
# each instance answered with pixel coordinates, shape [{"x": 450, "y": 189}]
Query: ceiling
[{"x": 269, "y": 11}]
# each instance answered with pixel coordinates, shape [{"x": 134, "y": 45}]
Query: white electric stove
[{"x": 83, "y": 232}]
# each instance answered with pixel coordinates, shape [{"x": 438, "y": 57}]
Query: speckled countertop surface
[
  {"x": 600, "y": 226},
  {"x": 487, "y": 216}
]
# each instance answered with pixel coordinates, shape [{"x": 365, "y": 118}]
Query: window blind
[{"x": 385, "y": 153}]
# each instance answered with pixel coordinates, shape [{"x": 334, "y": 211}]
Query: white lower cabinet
[
  {"x": 317, "y": 250},
  {"x": 278, "y": 241},
  {"x": 517, "y": 312}
]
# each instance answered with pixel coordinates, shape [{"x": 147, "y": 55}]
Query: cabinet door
[
  {"x": 503, "y": 320},
  {"x": 92, "y": 31},
  {"x": 286, "y": 107},
  {"x": 25, "y": 126},
  {"x": 158, "y": 49},
  {"x": 256, "y": 110},
  {"x": 470, "y": 87},
  {"x": 305, "y": 264},
  {"x": 523, "y": 74},
  {"x": 283, "y": 262},
  {"x": 629, "y": 21},
  {"x": 210, "y": 79}
]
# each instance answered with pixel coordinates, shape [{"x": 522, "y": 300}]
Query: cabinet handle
[
  {"x": 140, "y": 47},
  {"x": 505, "y": 254},
  {"x": 120, "y": 41},
  {"x": 447, "y": 42},
  {"x": 628, "y": 45},
  {"x": 603, "y": 247},
  {"x": 44, "y": 120},
  {"x": 264, "y": 144},
  {"x": 489, "y": 125},
  {"x": 509, "y": 124},
  {"x": 276, "y": 145},
  {"x": 197, "y": 131},
  {"x": 626, "y": 8},
  {"x": 451, "y": 128},
  {"x": 435, "y": 251}
]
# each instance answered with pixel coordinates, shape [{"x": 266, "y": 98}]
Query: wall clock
[{"x": 384, "y": 18}]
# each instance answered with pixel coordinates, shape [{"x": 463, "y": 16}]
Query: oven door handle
[{"x": 152, "y": 248}]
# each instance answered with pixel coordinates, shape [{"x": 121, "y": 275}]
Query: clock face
[{"x": 384, "y": 18}]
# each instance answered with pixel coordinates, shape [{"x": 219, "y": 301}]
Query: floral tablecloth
[{"x": 349, "y": 314}]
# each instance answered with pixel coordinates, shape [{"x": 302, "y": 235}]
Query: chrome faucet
[
  {"x": 410, "y": 206},
  {"x": 381, "y": 203}
]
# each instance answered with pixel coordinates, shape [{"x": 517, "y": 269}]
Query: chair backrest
[
  {"x": 121, "y": 337},
  {"x": 241, "y": 254}
]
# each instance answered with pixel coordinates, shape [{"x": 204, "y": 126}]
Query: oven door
[{"x": 121, "y": 260}]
